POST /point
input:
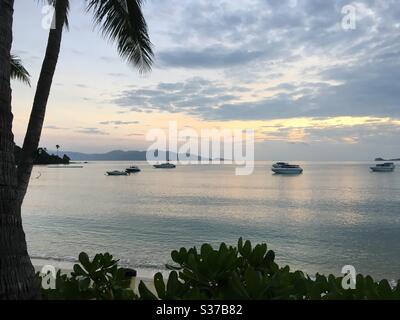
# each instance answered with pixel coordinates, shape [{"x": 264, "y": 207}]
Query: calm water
[{"x": 332, "y": 215}]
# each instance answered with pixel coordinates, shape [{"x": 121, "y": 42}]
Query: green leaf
[
  {"x": 176, "y": 256},
  {"x": 253, "y": 282},
  {"x": 240, "y": 244},
  {"x": 173, "y": 284},
  {"x": 205, "y": 250},
  {"x": 79, "y": 271},
  {"x": 246, "y": 249},
  {"x": 159, "y": 285},
  {"x": 84, "y": 260},
  {"x": 145, "y": 294}
]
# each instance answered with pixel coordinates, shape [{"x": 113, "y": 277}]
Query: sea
[{"x": 332, "y": 215}]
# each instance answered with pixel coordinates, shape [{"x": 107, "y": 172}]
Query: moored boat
[
  {"x": 165, "y": 166},
  {"x": 286, "y": 168},
  {"x": 117, "y": 173},
  {"x": 384, "y": 167}
]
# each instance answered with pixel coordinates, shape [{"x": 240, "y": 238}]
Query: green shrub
[
  {"x": 241, "y": 272},
  {"x": 99, "y": 279},
  {"x": 251, "y": 273}
]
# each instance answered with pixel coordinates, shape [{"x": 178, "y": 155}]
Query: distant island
[
  {"x": 381, "y": 159},
  {"x": 120, "y": 155},
  {"x": 116, "y": 155},
  {"x": 43, "y": 157}
]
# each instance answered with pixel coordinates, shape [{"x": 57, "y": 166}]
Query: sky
[{"x": 309, "y": 87}]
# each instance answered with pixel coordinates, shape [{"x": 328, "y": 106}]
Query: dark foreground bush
[
  {"x": 241, "y": 272},
  {"x": 99, "y": 279},
  {"x": 251, "y": 273}
]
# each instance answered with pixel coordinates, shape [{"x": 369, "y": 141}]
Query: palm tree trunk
[
  {"x": 34, "y": 131},
  {"x": 16, "y": 270}
]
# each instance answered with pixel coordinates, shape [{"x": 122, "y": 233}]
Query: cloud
[
  {"x": 214, "y": 57},
  {"x": 376, "y": 132},
  {"x": 118, "y": 122},
  {"x": 290, "y": 60},
  {"x": 373, "y": 134},
  {"x": 189, "y": 96},
  {"x": 77, "y": 52},
  {"x": 261, "y": 60},
  {"x": 91, "y": 131},
  {"x": 51, "y": 127},
  {"x": 136, "y": 135},
  {"x": 316, "y": 67},
  {"x": 117, "y": 74},
  {"x": 364, "y": 89},
  {"x": 108, "y": 59}
]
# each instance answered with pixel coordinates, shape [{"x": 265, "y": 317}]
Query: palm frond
[
  {"x": 122, "y": 21},
  {"x": 18, "y": 71}
]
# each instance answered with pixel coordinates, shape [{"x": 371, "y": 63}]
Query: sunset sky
[{"x": 287, "y": 69}]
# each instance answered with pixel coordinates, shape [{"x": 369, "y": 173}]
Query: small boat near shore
[
  {"x": 286, "y": 168},
  {"x": 384, "y": 167},
  {"x": 165, "y": 166},
  {"x": 116, "y": 173}
]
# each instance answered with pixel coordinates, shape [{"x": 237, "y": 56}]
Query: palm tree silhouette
[
  {"x": 17, "y": 275},
  {"x": 122, "y": 22}
]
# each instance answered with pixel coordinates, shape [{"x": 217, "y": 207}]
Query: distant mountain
[
  {"x": 109, "y": 156},
  {"x": 119, "y": 155}
]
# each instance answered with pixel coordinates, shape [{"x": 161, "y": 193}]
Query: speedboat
[
  {"x": 117, "y": 173},
  {"x": 165, "y": 166},
  {"x": 286, "y": 168},
  {"x": 132, "y": 169},
  {"x": 384, "y": 167}
]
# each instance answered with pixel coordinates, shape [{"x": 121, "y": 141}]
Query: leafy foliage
[
  {"x": 252, "y": 273},
  {"x": 18, "y": 71},
  {"x": 42, "y": 157},
  {"x": 227, "y": 273},
  {"x": 99, "y": 279},
  {"x": 122, "y": 21}
]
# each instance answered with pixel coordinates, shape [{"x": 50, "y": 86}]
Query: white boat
[
  {"x": 286, "y": 168},
  {"x": 384, "y": 167},
  {"x": 117, "y": 173},
  {"x": 165, "y": 166}
]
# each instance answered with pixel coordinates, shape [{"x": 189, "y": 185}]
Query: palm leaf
[
  {"x": 18, "y": 71},
  {"x": 122, "y": 21}
]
